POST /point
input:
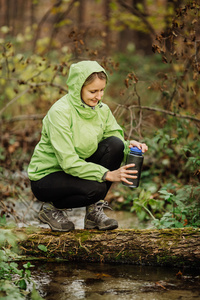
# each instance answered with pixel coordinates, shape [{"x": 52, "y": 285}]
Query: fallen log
[{"x": 165, "y": 247}]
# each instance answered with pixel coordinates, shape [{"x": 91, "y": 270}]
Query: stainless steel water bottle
[{"x": 134, "y": 157}]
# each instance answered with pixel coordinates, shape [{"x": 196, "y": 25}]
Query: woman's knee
[
  {"x": 115, "y": 144},
  {"x": 97, "y": 191}
]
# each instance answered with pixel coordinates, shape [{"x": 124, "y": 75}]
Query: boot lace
[
  {"x": 60, "y": 215},
  {"x": 98, "y": 210}
]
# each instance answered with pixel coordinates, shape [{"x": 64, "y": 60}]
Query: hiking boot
[
  {"x": 96, "y": 218},
  {"x": 56, "y": 218}
]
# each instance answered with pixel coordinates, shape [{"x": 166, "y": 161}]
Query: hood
[{"x": 78, "y": 73}]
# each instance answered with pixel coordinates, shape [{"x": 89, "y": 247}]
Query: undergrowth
[{"x": 15, "y": 282}]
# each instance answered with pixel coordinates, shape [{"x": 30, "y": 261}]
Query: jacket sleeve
[
  {"x": 60, "y": 136},
  {"x": 113, "y": 129}
]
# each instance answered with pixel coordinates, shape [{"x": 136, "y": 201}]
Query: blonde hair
[{"x": 91, "y": 78}]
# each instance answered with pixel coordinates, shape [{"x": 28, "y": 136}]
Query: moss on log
[{"x": 166, "y": 247}]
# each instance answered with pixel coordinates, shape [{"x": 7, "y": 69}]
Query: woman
[{"x": 79, "y": 153}]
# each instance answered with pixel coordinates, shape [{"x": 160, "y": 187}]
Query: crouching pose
[{"x": 80, "y": 153}]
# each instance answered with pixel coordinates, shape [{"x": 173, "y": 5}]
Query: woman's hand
[
  {"x": 140, "y": 146},
  {"x": 122, "y": 174}
]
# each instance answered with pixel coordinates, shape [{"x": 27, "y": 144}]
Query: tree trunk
[{"x": 166, "y": 247}]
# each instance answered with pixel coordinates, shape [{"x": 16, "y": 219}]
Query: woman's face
[{"x": 92, "y": 93}]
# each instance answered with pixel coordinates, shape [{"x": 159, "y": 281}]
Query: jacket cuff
[{"x": 104, "y": 176}]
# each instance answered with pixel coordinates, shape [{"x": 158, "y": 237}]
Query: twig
[
  {"x": 168, "y": 113},
  {"x": 82, "y": 246},
  {"x": 6, "y": 59},
  {"x": 23, "y": 118},
  {"x": 162, "y": 286},
  {"x": 14, "y": 99},
  {"x": 131, "y": 122},
  {"x": 50, "y": 84},
  {"x": 59, "y": 18},
  {"x": 37, "y": 74},
  {"x": 140, "y": 111}
]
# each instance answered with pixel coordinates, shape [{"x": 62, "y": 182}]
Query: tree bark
[{"x": 165, "y": 247}]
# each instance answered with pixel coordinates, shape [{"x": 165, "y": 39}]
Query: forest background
[{"x": 150, "y": 50}]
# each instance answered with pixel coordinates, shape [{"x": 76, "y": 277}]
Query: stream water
[
  {"x": 63, "y": 280},
  {"x": 73, "y": 281}
]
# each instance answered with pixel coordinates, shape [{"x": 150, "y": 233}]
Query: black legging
[{"x": 67, "y": 191}]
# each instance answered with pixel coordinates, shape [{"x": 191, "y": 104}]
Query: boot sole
[{"x": 52, "y": 227}]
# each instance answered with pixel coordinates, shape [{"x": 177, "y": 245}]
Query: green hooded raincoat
[{"x": 72, "y": 130}]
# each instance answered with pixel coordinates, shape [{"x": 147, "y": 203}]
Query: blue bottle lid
[{"x": 136, "y": 150}]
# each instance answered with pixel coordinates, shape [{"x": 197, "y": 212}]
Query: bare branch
[
  {"x": 27, "y": 90},
  {"x": 59, "y": 18},
  {"x": 167, "y": 112},
  {"x": 14, "y": 99},
  {"x": 50, "y": 84},
  {"x": 131, "y": 122},
  {"x": 23, "y": 118},
  {"x": 41, "y": 116},
  {"x": 137, "y": 13},
  {"x": 37, "y": 74}
]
